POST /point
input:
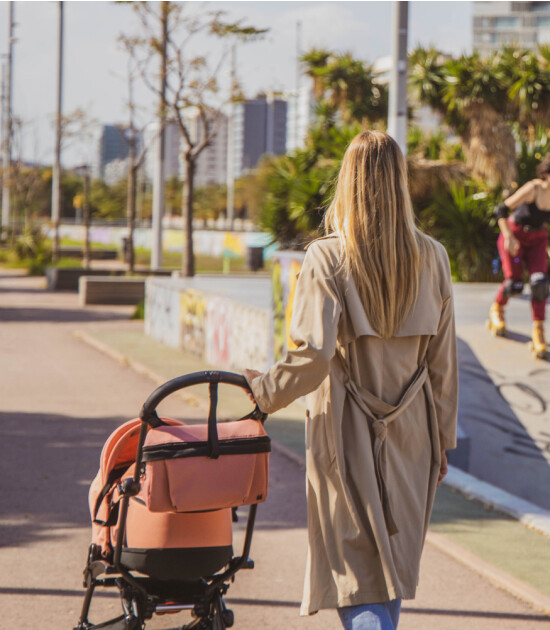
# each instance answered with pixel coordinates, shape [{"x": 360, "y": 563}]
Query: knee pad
[
  {"x": 512, "y": 287},
  {"x": 539, "y": 286}
]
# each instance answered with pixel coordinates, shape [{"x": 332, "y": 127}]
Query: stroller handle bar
[{"x": 212, "y": 377}]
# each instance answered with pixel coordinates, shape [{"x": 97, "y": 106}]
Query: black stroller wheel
[{"x": 218, "y": 616}]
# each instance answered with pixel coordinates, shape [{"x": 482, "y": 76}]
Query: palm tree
[
  {"x": 471, "y": 93},
  {"x": 528, "y": 74},
  {"x": 346, "y": 85}
]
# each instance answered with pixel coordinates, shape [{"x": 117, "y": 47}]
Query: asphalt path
[
  {"x": 504, "y": 403},
  {"x": 60, "y": 399}
]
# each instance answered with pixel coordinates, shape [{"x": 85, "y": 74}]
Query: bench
[
  {"x": 95, "y": 254},
  {"x": 110, "y": 290},
  {"x": 66, "y": 278}
]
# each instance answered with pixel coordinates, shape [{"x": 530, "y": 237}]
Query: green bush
[
  {"x": 139, "y": 312},
  {"x": 462, "y": 219}
]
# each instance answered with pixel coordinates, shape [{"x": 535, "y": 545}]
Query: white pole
[
  {"x": 56, "y": 172},
  {"x": 297, "y": 87},
  {"x": 230, "y": 178},
  {"x": 7, "y": 120},
  {"x": 397, "y": 111}
]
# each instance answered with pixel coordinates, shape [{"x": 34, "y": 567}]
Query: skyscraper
[
  {"x": 111, "y": 143},
  {"x": 260, "y": 128},
  {"x": 300, "y": 115},
  {"x": 497, "y": 24},
  {"x": 211, "y": 164},
  {"x": 172, "y": 147}
]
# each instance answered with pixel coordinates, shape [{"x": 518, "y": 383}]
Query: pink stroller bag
[{"x": 179, "y": 476}]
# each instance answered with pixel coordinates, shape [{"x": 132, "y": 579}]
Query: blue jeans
[{"x": 371, "y": 616}]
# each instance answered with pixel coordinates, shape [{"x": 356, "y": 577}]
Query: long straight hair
[{"x": 373, "y": 217}]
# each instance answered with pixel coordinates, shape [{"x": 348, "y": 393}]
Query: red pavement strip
[{"x": 499, "y": 578}]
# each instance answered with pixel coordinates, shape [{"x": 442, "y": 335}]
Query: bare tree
[{"x": 191, "y": 81}]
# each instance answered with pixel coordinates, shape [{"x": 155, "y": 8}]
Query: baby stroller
[{"x": 162, "y": 507}]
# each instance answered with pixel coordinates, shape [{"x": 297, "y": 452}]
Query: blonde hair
[{"x": 372, "y": 215}]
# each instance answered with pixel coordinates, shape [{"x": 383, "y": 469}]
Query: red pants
[{"x": 532, "y": 253}]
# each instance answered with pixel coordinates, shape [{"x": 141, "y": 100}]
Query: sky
[{"x": 95, "y": 66}]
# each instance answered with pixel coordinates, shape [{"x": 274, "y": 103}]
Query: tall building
[
  {"x": 259, "y": 128},
  {"x": 211, "y": 164},
  {"x": 497, "y": 24},
  {"x": 110, "y": 143},
  {"x": 172, "y": 147},
  {"x": 300, "y": 115}
]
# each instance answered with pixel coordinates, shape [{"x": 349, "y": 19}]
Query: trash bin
[
  {"x": 255, "y": 258},
  {"x": 126, "y": 249}
]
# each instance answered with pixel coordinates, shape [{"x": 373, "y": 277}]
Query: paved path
[
  {"x": 504, "y": 396},
  {"x": 60, "y": 399}
]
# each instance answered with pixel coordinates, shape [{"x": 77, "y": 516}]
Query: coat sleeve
[
  {"x": 314, "y": 330},
  {"x": 443, "y": 370}
]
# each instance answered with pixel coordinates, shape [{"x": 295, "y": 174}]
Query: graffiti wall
[
  {"x": 286, "y": 267},
  {"x": 226, "y": 333},
  {"x": 193, "y": 321},
  {"x": 215, "y": 243},
  {"x": 162, "y": 308}
]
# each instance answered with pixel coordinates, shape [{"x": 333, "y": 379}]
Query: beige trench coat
[{"x": 379, "y": 412}]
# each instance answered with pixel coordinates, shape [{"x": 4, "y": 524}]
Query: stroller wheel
[
  {"x": 221, "y": 615},
  {"x": 228, "y": 618}
]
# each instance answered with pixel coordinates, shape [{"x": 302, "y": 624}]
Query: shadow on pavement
[
  {"x": 517, "y": 337},
  {"x": 57, "y": 592},
  {"x": 474, "y": 613},
  {"x": 503, "y": 450},
  {"x": 58, "y": 315},
  {"x": 47, "y": 463}
]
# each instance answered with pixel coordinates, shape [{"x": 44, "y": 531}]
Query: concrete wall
[
  {"x": 286, "y": 267},
  {"x": 227, "y": 333},
  {"x": 230, "y": 322},
  {"x": 206, "y": 242}
]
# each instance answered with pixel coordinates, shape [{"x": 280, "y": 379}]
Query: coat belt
[{"x": 380, "y": 414}]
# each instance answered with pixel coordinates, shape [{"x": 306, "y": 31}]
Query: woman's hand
[
  {"x": 442, "y": 468},
  {"x": 250, "y": 375},
  {"x": 511, "y": 244}
]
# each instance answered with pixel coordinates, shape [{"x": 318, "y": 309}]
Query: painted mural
[
  {"x": 215, "y": 243},
  {"x": 193, "y": 322},
  {"x": 286, "y": 267},
  {"x": 226, "y": 333}
]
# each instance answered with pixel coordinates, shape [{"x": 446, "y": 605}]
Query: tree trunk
[
  {"x": 490, "y": 147},
  {"x": 86, "y": 211},
  {"x": 188, "y": 258},
  {"x": 131, "y": 203}
]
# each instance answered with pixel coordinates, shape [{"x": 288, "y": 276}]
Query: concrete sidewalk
[{"x": 60, "y": 400}]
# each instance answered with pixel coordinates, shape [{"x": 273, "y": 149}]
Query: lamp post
[
  {"x": 56, "y": 172},
  {"x": 7, "y": 125},
  {"x": 397, "y": 111}
]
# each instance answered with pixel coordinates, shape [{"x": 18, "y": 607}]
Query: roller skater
[{"x": 523, "y": 241}]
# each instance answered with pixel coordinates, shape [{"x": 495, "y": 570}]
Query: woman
[
  {"x": 523, "y": 241},
  {"x": 374, "y": 329}
]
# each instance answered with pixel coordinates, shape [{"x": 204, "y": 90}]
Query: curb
[
  {"x": 528, "y": 514},
  {"x": 499, "y": 578}
]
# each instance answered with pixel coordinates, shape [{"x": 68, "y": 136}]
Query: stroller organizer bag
[{"x": 162, "y": 507}]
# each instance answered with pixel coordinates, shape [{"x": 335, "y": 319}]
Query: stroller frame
[{"x": 143, "y": 596}]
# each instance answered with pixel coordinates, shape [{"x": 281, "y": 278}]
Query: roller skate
[
  {"x": 538, "y": 344},
  {"x": 496, "y": 323}
]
